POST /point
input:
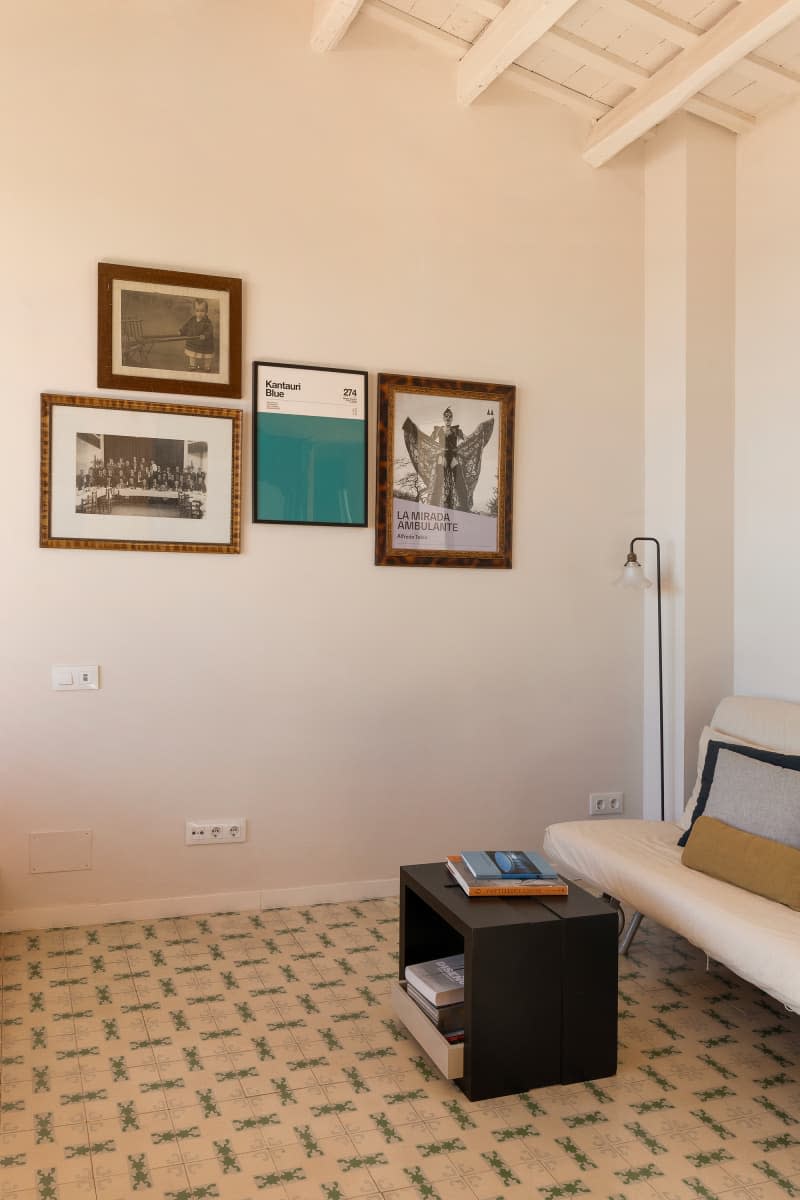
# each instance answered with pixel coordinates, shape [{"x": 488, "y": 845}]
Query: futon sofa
[{"x": 639, "y": 863}]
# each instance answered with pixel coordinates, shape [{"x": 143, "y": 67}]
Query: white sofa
[{"x": 639, "y": 863}]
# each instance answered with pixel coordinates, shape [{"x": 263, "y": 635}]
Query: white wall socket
[
  {"x": 204, "y": 833},
  {"x": 606, "y": 804}
]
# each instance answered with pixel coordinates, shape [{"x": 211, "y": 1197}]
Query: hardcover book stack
[
  {"x": 437, "y": 987},
  {"x": 505, "y": 873}
]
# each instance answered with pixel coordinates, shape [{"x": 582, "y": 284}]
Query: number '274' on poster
[{"x": 309, "y": 445}]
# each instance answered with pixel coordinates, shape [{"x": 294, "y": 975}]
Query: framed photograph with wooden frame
[
  {"x": 135, "y": 475},
  {"x": 169, "y": 331},
  {"x": 309, "y": 445},
  {"x": 445, "y": 472}
]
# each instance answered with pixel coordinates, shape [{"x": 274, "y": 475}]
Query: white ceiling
[{"x": 625, "y": 64}]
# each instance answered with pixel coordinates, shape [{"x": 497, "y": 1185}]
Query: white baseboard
[
  {"x": 330, "y": 893},
  {"x": 60, "y": 916}
]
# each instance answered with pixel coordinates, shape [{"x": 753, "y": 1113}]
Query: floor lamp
[{"x": 634, "y": 577}]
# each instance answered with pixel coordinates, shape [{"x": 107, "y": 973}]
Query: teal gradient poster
[{"x": 309, "y": 445}]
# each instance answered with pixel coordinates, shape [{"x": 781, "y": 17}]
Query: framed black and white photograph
[
  {"x": 309, "y": 445},
  {"x": 169, "y": 331},
  {"x": 134, "y": 475},
  {"x": 445, "y": 472}
]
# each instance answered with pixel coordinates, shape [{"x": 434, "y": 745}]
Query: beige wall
[
  {"x": 768, "y": 410},
  {"x": 359, "y": 717}
]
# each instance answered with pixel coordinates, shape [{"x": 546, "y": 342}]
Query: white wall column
[{"x": 689, "y": 412}]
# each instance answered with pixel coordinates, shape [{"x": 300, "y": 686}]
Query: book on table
[
  {"x": 440, "y": 980},
  {"x": 494, "y": 865},
  {"x": 531, "y": 888}
]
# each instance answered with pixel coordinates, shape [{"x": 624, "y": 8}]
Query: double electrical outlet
[
  {"x": 203, "y": 833},
  {"x": 606, "y": 804}
]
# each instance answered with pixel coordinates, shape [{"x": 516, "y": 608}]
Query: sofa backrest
[
  {"x": 774, "y": 724},
  {"x": 754, "y": 720}
]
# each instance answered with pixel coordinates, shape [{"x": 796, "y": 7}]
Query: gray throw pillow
[{"x": 756, "y": 797}]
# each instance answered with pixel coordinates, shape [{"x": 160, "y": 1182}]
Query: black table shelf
[{"x": 540, "y": 980}]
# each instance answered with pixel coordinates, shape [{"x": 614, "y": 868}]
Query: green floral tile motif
[
  {"x": 446, "y": 1147},
  {"x": 652, "y": 1143},
  {"x": 457, "y": 1112},
  {"x": 248, "y": 1054},
  {"x": 707, "y": 1157},
  {"x": 698, "y": 1188},
  {"x": 424, "y": 1187},
  {"x": 782, "y": 1142},
  {"x": 590, "y": 1118},
  {"x": 278, "y": 1177},
  {"x": 575, "y": 1187},
  {"x": 648, "y": 1106},
  {"x": 501, "y": 1168},
  {"x": 46, "y": 1188},
  {"x": 517, "y": 1131},
  {"x": 637, "y": 1174},
  {"x": 139, "y": 1172},
  {"x": 772, "y": 1173},
  {"x": 580, "y": 1157}
]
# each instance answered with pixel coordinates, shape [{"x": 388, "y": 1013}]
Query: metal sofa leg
[
  {"x": 630, "y": 933},
  {"x": 617, "y": 906}
]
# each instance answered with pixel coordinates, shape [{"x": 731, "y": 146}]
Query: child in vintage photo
[{"x": 199, "y": 332}]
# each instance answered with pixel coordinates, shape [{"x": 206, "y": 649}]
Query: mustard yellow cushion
[{"x": 757, "y": 864}]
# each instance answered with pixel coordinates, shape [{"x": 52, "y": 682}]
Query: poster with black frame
[
  {"x": 309, "y": 445},
  {"x": 135, "y": 475},
  {"x": 445, "y": 472}
]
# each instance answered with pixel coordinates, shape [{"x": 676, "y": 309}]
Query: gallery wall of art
[{"x": 357, "y": 716}]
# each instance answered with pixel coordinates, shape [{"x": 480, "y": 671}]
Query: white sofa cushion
[{"x": 640, "y": 862}]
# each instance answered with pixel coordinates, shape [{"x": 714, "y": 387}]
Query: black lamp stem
[{"x": 657, "y": 545}]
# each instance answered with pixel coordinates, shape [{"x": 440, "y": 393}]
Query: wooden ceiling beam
[
  {"x": 720, "y": 114},
  {"x": 647, "y": 16},
  {"x": 681, "y": 33},
  {"x": 591, "y": 55},
  {"x": 584, "y": 106},
  {"x": 487, "y": 8},
  {"x": 761, "y": 70},
  {"x": 457, "y": 47},
  {"x": 622, "y": 71},
  {"x": 510, "y": 34},
  {"x": 722, "y": 47},
  {"x": 332, "y": 19}
]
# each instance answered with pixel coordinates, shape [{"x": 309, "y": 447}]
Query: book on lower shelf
[
  {"x": 440, "y": 981},
  {"x": 448, "y": 1018},
  {"x": 531, "y": 888}
]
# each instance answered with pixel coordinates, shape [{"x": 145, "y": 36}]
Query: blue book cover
[{"x": 508, "y": 864}]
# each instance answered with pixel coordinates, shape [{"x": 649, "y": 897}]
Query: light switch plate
[{"x": 75, "y": 679}]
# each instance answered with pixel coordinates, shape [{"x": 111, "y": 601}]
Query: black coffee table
[{"x": 540, "y": 980}]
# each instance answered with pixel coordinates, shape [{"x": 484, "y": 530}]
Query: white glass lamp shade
[{"x": 633, "y": 576}]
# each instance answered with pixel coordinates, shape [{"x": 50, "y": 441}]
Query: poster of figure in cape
[
  {"x": 445, "y": 473},
  {"x": 445, "y": 467}
]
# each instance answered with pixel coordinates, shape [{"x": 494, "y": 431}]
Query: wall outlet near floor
[
  {"x": 606, "y": 804},
  {"x": 203, "y": 833}
]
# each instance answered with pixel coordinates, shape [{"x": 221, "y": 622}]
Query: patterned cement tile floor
[{"x": 250, "y": 1055}]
